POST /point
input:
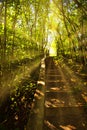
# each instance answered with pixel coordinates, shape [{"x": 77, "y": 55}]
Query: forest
[{"x": 29, "y": 31}]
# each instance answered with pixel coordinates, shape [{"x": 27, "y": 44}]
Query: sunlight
[
  {"x": 50, "y": 125},
  {"x": 42, "y": 64},
  {"x": 68, "y": 127},
  {"x": 37, "y": 96},
  {"x": 55, "y": 88},
  {"x": 52, "y": 52},
  {"x": 73, "y": 79},
  {"x": 41, "y": 82},
  {"x": 85, "y": 83},
  {"x": 54, "y": 103},
  {"x": 84, "y": 97},
  {"x": 15, "y": 78},
  {"x": 39, "y": 92}
]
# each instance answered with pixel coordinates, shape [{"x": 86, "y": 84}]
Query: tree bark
[{"x": 5, "y": 32}]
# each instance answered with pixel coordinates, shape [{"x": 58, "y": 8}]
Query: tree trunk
[{"x": 5, "y": 33}]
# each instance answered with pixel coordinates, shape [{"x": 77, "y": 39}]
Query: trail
[{"x": 62, "y": 106}]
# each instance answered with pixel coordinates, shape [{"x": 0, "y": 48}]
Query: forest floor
[
  {"x": 17, "y": 89},
  {"x": 61, "y": 103}
]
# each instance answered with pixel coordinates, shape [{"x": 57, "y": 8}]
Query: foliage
[
  {"x": 15, "y": 110},
  {"x": 20, "y": 28},
  {"x": 68, "y": 28}
]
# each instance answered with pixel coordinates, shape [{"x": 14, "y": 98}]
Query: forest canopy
[{"x": 29, "y": 27}]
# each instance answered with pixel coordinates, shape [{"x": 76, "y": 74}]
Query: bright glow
[
  {"x": 52, "y": 51},
  {"x": 50, "y": 38}
]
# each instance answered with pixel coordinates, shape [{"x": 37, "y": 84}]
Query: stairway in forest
[
  {"x": 56, "y": 106},
  {"x": 64, "y": 110}
]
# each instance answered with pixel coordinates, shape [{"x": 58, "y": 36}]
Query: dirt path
[{"x": 63, "y": 106}]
